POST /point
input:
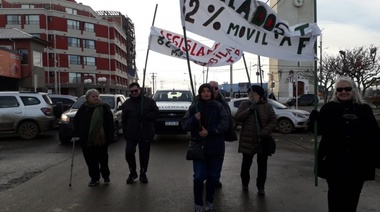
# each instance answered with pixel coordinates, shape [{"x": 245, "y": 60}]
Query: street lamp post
[
  {"x": 102, "y": 81},
  {"x": 87, "y": 82}
]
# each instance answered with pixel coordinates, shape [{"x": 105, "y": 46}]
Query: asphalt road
[{"x": 290, "y": 185}]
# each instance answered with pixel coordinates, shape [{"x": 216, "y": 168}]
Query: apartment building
[{"x": 85, "y": 48}]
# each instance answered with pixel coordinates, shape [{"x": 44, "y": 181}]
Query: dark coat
[
  {"x": 82, "y": 120},
  {"x": 214, "y": 119},
  {"x": 249, "y": 136},
  {"x": 136, "y": 124},
  {"x": 230, "y": 134},
  {"x": 349, "y": 132}
]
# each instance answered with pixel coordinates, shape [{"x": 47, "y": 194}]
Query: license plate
[{"x": 171, "y": 123}]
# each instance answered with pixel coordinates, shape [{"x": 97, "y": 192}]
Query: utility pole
[
  {"x": 154, "y": 75},
  {"x": 55, "y": 65}
]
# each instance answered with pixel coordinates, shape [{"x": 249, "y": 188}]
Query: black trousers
[
  {"x": 144, "y": 151},
  {"x": 344, "y": 194},
  {"x": 97, "y": 161},
  {"x": 262, "y": 160}
]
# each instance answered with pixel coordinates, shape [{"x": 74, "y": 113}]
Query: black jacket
[
  {"x": 82, "y": 119},
  {"x": 349, "y": 136},
  {"x": 214, "y": 119},
  {"x": 139, "y": 124}
]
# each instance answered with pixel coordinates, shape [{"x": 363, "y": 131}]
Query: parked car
[
  {"x": 303, "y": 100},
  {"x": 172, "y": 105},
  {"x": 25, "y": 113},
  {"x": 287, "y": 119},
  {"x": 61, "y": 103},
  {"x": 65, "y": 124}
]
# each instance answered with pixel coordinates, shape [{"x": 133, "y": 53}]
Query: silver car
[
  {"x": 25, "y": 113},
  {"x": 287, "y": 119}
]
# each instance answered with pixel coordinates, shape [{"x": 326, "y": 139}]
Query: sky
[{"x": 345, "y": 25}]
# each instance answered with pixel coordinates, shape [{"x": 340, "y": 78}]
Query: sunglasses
[
  {"x": 134, "y": 91},
  {"x": 215, "y": 88},
  {"x": 340, "y": 89}
]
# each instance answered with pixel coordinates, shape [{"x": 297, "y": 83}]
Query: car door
[{"x": 11, "y": 111}]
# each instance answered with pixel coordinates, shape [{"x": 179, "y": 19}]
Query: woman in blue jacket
[{"x": 207, "y": 120}]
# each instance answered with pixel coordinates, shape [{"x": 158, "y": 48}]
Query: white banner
[
  {"x": 172, "y": 44},
  {"x": 250, "y": 26}
]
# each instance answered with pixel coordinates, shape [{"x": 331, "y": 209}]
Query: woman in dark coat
[
  {"x": 249, "y": 142},
  {"x": 93, "y": 124},
  {"x": 346, "y": 153},
  {"x": 207, "y": 120}
]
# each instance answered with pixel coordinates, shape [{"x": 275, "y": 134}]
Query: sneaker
[
  {"x": 245, "y": 187},
  {"x": 107, "y": 181},
  {"x": 131, "y": 178},
  {"x": 143, "y": 178},
  {"x": 218, "y": 184},
  {"x": 261, "y": 192},
  {"x": 198, "y": 208},
  {"x": 93, "y": 183},
  {"x": 209, "y": 207}
]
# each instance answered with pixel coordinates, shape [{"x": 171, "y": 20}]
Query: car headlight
[
  {"x": 65, "y": 118},
  {"x": 299, "y": 115}
]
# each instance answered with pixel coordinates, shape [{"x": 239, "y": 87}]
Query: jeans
[
  {"x": 144, "y": 150},
  {"x": 344, "y": 194},
  {"x": 97, "y": 156},
  {"x": 209, "y": 170},
  {"x": 262, "y": 160}
]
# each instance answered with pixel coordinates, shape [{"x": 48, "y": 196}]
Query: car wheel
[
  {"x": 64, "y": 139},
  {"x": 28, "y": 130},
  {"x": 285, "y": 126}
]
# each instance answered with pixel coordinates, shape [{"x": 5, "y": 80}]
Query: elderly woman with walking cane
[{"x": 93, "y": 124}]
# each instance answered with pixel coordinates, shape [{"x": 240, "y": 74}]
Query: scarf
[{"x": 96, "y": 136}]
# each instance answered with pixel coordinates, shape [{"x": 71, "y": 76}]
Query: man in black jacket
[{"x": 139, "y": 113}]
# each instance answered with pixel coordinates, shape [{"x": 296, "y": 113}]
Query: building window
[
  {"x": 37, "y": 59},
  {"x": 90, "y": 61},
  {"x": 32, "y": 19},
  {"x": 24, "y": 56},
  {"x": 74, "y": 42},
  {"x": 90, "y": 44},
  {"x": 71, "y": 11},
  {"x": 14, "y": 19},
  {"x": 74, "y": 59},
  {"x": 73, "y": 24},
  {"x": 89, "y": 27},
  {"x": 27, "y": 6}
]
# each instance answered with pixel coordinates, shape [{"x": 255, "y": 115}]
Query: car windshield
[
  {"x": 276, "y": 104},
  {"x": 107, "y": 99},
  {"x": 171, "y": 95}
]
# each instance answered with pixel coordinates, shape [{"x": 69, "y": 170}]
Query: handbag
[
  {"x": 195, "y": 150},
  {"x": 268, "y": 144}
]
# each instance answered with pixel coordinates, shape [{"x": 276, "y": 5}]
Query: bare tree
[
  {"x": 326, "y": 76},
  {"x": 361, "y": 64}
]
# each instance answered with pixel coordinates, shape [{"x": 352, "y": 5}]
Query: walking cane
[{"x": 72, "y": 162}]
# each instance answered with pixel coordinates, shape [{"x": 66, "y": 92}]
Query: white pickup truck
[{"x": 172, "y": 105}]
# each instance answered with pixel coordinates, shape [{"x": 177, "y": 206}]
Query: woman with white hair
[
  {"x": 346, "y": 153},
  {"x": 93, "y": 124}
]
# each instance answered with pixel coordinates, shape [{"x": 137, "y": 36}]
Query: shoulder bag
[
  {"x": 268, "y": 144},
  {"x": 195, "y": 150}
]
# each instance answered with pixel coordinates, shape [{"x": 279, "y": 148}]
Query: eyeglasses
[
  {"x": 340, "y": 89},
  {"x": 215, "y": 88},
  {"x": 134, "y": 91}
]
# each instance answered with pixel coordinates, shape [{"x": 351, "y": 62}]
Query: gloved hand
[
  {"x": 314, "y": 115},
  {"x": 253, "y": 106}
]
